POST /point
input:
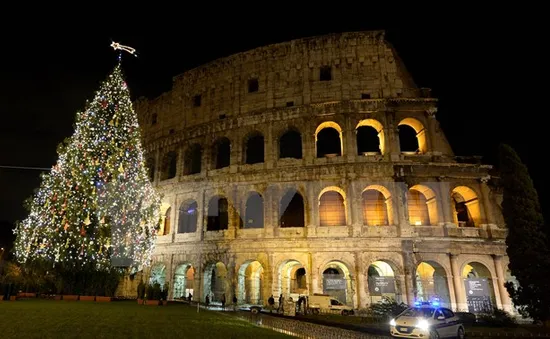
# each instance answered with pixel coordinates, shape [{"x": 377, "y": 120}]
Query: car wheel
[
  {"x": 460, "y": 334},
  {"x": 254, "y": 310},
  {"x": 316, "y": 311},
  {"x": 434, "y": 334},
  {"x": 344, "y": 312}
]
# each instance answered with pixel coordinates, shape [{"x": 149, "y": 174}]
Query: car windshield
[{"x": 425, "y": 312}]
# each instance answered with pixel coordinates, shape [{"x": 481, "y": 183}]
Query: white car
[{"x": 427, "y": 321}]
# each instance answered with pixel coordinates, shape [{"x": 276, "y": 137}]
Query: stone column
[
  {"x": 446, "y": 215},
  {"x": 505, "y": 300},
  {"x": 202, "y": 210},
  {"x": 409, "y": 270},
  {"x": 458, "y": 283},
  {"x": 350, "y": 142},
  {"x": 359, "y": 281},
  {"x": 486, "y": 201},
  {"x": 392, "y": 134},
  {"x": 270, "y": 153},
  {"x": 401, "y": 217}
]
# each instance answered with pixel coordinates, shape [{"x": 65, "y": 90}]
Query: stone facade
[{"x": 315, "y": 206}]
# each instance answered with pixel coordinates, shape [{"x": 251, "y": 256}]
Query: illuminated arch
[
  {"x": 336, "y": 269},
  {"x": 465, "y": 205},
  {"x": 432, "y": 282},
  {"x": 332, "y": 207},
  {"x": 377, "y": 206},
  {"x": 164, "y": 208},
  {"x": 250, "y": 282},
  {"x": 333, "y": 125},
  {"x": 292, "y": 278},
  {"x": 422, "y": 205},
  {"x": 420, "y": 132},
  {"x": 379, "y": 129}
]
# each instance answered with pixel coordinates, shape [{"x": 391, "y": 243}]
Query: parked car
[{"x": 427, "y": 320}]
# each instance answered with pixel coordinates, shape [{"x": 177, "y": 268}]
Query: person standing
[
  {"x": 223, "y": 302},
  {"x": 281, "y": 308},
  {"x": 271, "y": 302}
]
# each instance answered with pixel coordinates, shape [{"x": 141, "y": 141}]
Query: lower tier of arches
[{"x": 461, "y": 281}]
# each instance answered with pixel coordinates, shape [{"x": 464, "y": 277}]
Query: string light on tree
[{"x": 96, "y": 206}]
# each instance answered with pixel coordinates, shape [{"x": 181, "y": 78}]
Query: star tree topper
[{"x": 125, "y": 48}]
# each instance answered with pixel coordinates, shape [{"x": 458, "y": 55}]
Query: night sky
[{"x": 484, "y": 73}]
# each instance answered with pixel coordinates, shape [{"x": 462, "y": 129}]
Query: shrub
[
  {"x": 164, "y": 293},
  {"x": 156, "y": 291},
  {"x": 499, "y": 318},
  {"x": 150, "y": 292},
  {"x": 387, "y": 308}
]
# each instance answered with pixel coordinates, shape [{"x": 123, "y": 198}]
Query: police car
[{"x": 427, "y": 320}]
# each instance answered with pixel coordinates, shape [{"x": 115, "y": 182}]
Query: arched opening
[
  {"x": 184, "y": 281},
  {"x": 370, "y": 137},
  {"x": 251, "y": 276},
  {"x": 216, "y": 282},
  {"x": 221, "y": 153},
  {"x": 412, "y": 136},
  {"x": 337, "y": 282},
  {"x": 293, "y": 279},
  {"x": 332, "y": 208},
  {"x": 290, "y": 145},
  {"x": 382, "y": 282},
  {"x": 422, "y": 206},
  {"x": 432, "y": 283},
  {"x": 193, "y": 158},
  {"x": 466, "y": 207},
  {"x": 254, "y": 149},
  {"x": 377, "y": 206},
  {"x": 254, "y": 213},
  {"x": 292, "y": 209},
  {"x": 167, "y": 223},
  {"x": 151, "y": 169},
  {"x": 218, "y": 214},
  {"x": 328, "y": 140},
  {"x": 478, "y": 283},
  {"x": 169, "y": 165},
  {"x": 188, "y": 216},
  {"x": 158, "y": 274}
]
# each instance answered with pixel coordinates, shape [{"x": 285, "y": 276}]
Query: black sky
[{"x": 488, "y": 73}]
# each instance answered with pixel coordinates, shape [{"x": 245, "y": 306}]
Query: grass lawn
[{"x": 122, "y": 319}]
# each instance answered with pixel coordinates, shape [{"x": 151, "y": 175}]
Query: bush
[
  {"x": 164, "y": 293},
  {"x": 466, "y": 318},
  {"x": 499, "y": 318},
  {"x": 150, "y": 292},
  {"x": 387, "y": 308},
  {"x": 157, "y": 291}
]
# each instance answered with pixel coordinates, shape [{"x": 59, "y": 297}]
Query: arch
[
  {"x": 377, "y": 206},
  {"x": 184, "y": 281},
  {"x": 410, "y": 141},
  {"x": 479, "y": 287},
  {"x": 293, "y": 279},
  {"x": 151, "y": 168},
  {"x": 216, "y": 282},
  {"x": 254, "y": 148},
  {"x": 292, "y": 211},
  {"x": 192, "y": 160},
  {"x": 337, "y": 281},
  {"x": 221, "y": 153},
  {"x": 158, "y": 274},
  {"x": 290, "y": 144},
  {"x": 370, "y": 137},
  {"x": 167, "y": 223},
  {"x": 465, "y": 204},
  {"x": 218, "y": 214},
  {"x": 188, "y": 217},
  {"x": 250, "y": 283},
  {"x": 328, "y": 140},
  {"x": 422, "y": 206},
  {"x": 432, "y": 282},
  {"x": 332, "y": 207},
  {"x": 382, "y": 281},
  {"x": 254, "y": 211},
  {"x": 169, "y": 165}
]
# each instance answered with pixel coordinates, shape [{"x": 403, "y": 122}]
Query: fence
[{"x": 302, "y": 329}]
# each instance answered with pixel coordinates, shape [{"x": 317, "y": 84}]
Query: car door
[
  {"x": 441, "y": 324},
  {"x": 451, "y": 321}
]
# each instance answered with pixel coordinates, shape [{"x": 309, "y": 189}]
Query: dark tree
[{"x": 527, "y": 244}]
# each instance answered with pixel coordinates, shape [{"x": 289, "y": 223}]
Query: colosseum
[{"x": 318, "y": 166}]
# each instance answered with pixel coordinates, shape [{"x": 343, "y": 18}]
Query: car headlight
[
  {"x": 392, "y": 322},
  {"x": 422, "y": 324}
]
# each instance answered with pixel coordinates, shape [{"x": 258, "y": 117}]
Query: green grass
[{"x": 123, "y": 319}]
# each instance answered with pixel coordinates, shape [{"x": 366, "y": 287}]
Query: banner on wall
[
  {"x": 478, "y": 295},
  {"x": 381, "y": 285},
  {"x": 334, "y": 284}
]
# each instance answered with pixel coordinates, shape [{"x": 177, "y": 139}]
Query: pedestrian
[
  {"x": 281, "y": 308},
  {"x": 271, "y": 302},
  {"x": 190, "y": 297},
  {"x": 223, "y": 302},
  {"x": 207, "y": 300},
  {"x": 234, "y": 302}
]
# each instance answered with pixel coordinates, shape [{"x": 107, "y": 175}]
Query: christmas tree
[{"x": 96, "y": 209}]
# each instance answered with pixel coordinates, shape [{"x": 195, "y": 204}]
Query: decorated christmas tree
[{"x": 96, "y": 210}]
